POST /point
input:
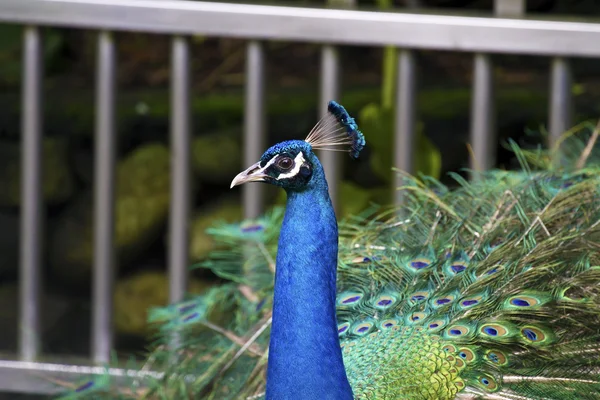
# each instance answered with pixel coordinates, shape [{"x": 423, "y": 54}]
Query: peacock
[{"x": 489, "y": 290}]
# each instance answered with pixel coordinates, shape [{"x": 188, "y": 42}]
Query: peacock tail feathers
[{"x": 488, "y": 290}]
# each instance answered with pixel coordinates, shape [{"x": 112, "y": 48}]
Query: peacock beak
[{"x": 253, "y": 174}]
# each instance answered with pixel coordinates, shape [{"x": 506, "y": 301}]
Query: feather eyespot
[
  {"x": 251, "y": 228},
  {"x": 497, "y": 357},
  {"x": 419, "y": 296},
  {"x": 191, "y": 317},
  {"x": 184, "y": 308},
  {"x": 388, "y": 323},
  {"x": 442, "y": 301},
  {"x": 469, "y": 302},
  {"x": 457, "y": 268},
  {"x": 362, "y": 328},
  {"x": 457, "y": 330},
  {"x": 84, "y": 387},
  {"x": 466, "y": 354},
  {"x": 342, "y": 328},
  {"x": 494, "y": 330},
  {"x": 535, "y": 335},
  {"x": 459, "y": 363},
  {"x": 416, "y": 317},
  {"x": 419, "y": 264},
  {"x": 449, "y": 348},
  {"x": 350, "y": 298},
  {"x": 384, "y": 302},
  {"x": 522, "y": 301},
  {"x": 488, "y": 383},
  {"x": 436, "y": 325}
]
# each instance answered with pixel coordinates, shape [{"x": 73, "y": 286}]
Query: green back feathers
[{"x": 489, "y": 290}]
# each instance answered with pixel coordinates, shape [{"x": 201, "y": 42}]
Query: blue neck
[{"x": 305, "y": 359}]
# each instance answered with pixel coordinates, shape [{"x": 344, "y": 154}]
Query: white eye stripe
[{"x": 298, "y": 162}]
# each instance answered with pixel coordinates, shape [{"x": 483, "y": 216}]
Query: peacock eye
[{"x": 285, "y": 163}]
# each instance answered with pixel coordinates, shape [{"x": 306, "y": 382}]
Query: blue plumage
[{"x": 304, "y": 334}]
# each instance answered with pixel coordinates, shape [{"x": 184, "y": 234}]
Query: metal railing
[{"x": 507, "y": 32}]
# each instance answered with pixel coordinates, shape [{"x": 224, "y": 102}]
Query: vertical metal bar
[
  {"x": 330, "y": 90},
  {"x": 31, "y": 196},
  {"x": 483, "y": 138},
  {"x": 254, "y": 124},
  {"x": 561, "y": 103},
  {"x": 483, "y": 113},
  {"x": 509, "y": 8},
  {"x": 405, "y": 124},
  {"x": 180, "y": 169},
  {"x": 104, "y": 196}
]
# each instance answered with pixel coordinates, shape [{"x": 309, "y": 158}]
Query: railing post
[
  {"x": 405, "y": 122},
  {"x": 483, "y": 133},
  {"x": 561, "y": 102},
  {"x": 31, "y": 196},
  {"x": 180, "y": 169},
  {"x": 330, "y": 90},
  {"x": 104, "y": 198},
  {"x": 483, "y": 109},
  {"x": 254, "y": 125}
]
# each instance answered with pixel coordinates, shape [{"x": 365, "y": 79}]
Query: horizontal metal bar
[
  {"x": 44, "y": 378},
  {"x": 406, "y": 30}
]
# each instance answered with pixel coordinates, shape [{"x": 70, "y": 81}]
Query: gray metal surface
[
  {"x": 31, "y": 196},
  {"x": 561, "y": 103},
  {"x": 179, "y": 215},
  {"x": 104, "y": 199},
  {"x": 405, "y": 124},
  {"x": 44, "y": 377},
  {"x": 510, "y": 8},
  {"x": 254, "y": 125},
  {"x": 483, "y": 137},
  {"x": 406, "y": 30},
  {"x": 330, "y": 90}
]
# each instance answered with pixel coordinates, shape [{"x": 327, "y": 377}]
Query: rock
[
  {"x": 136, "y": 294},
  {"x": 57, "y": 178},
  {"x": 141, "y": 208},
  {"x": 217, "y": 157}
]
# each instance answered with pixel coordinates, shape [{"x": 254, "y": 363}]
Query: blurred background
[{"x": 217, "y": 76}]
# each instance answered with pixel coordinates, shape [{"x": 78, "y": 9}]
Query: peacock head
[{"x": 292, "y": 164}]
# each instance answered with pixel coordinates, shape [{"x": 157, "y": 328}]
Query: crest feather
[{"x": 337, "y": 131}]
